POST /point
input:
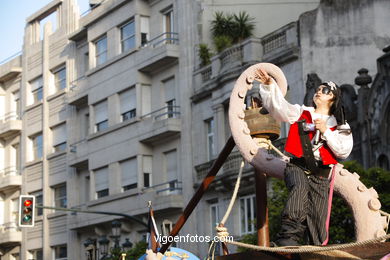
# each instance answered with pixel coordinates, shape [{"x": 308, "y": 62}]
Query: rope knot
[{"x": 222, "y": 232}]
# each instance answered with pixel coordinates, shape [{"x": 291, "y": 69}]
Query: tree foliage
[{"x": 134, "y": 253}]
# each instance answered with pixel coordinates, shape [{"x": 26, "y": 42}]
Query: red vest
[{"x": 293, "y": 143}]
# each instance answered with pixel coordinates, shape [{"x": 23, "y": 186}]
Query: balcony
[
  {"x": 161, "y": 124},
  {"x": 78, "y": 93},
  {"x": 11, "y": 67},
  {"x": 10, "y": 178},
  {"x": 226, "y": 177},
  {"x": 10, "y": 124},
  {"x": 227, "y": 65},
  {"x": 159, "y": 52},
  {"x": 10, "y": 234},
  {"x": 281, "y": 45},
  {"x": 78, "y": 152},
  {"x": 165, "y": 197}
]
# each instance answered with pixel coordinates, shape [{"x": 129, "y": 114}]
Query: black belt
[{"x": 321, "y": 171}]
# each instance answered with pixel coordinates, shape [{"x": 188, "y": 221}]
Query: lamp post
[{"x": 92, "y": 252}]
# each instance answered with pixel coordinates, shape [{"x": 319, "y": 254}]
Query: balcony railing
[
  {"x": 231, "y": 166},
  {"x": 9, "y": 171},
  {"x": 164, "y": 113},
  {"x": 167, "y": 188},
  {"x": 10, "y": 116},
  {"x": 164, "y": 38}
]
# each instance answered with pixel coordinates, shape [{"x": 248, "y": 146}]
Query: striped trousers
[{"x": 306, "y": 208}]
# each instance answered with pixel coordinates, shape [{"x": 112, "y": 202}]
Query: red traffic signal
[{"x": 26, "y": 210}]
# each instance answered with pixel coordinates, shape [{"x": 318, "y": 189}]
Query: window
[
  {"x": 60, "y": 196},
  {"x": 101, "y": 50},
  {"x": 214, "y": 221},
  {"x": 171, "y": 169},
  {"x": 60, "y": 79},
  {"x": 60, "y": 252},
  {"x": 16, "y": 158},
  {"x": 36, "y": 254},
  {"x": 168, "y": 21},
  {"x": 38, "y": 201},
  {"x": 214, "y": 217},
  {"x": 128, "y": 36},
  {"x": 37, "y": 89},
  {"x": 101, "y": 182},
  {"x": 147, "y": 170},
  {"x": 129, "y": 174},
  {"x": 59, "y": 138},
  {"x": 15, "y": 210},
  {"x": 86, "y": 62},
  {"x": 168, "y": 26},
  {"x": 144, "y": 30},
  {"x": 128, "y": 104},
  {"x": 210, "y": 138},
  {"x": 37, "y": 143},
  {"x": 247, "y": 214},
  {"x": 166, "y": 227},
  {"x": 101, "y": 116},
  {"x": 16, "y": 104},
  {"x": 169, "y": 89}
]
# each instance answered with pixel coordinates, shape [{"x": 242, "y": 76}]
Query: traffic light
[{"x": 26, "y": 210}]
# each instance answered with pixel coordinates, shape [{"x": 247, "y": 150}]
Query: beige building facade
[{"x": 108, "y": 110}]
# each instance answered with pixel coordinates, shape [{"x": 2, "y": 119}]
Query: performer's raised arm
[{"x": 274, "y": 101}]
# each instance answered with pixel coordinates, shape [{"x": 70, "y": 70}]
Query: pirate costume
[{"x": 308, "y": 175}]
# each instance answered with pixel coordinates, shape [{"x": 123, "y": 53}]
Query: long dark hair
[{"x": 337, "y": 108}]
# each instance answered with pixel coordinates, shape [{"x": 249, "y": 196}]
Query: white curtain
[{"x": 101, "y": 179}]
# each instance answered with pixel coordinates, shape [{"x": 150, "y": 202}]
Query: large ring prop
[{"x": 363, "y": 201}]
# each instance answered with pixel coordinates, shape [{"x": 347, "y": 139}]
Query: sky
[{"x": 13, "y": 15}]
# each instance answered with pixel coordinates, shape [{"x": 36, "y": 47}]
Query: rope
[
  {"x": 270, "y": 145},
  {"x": 221, "y": 230},
  {"x": 308, "y": 249},
  {"x": 233, "y": 199}
]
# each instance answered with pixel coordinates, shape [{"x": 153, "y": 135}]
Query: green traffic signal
[{"x": 27, "y": 218}]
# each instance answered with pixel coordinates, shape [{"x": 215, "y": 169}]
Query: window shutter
[
  {"x": 101, "y": 112},
  {"x": 169, "y": 88},
  {"x": 171, "y": 164},
  {"x": 128, "y": 100},
  {"x": 129, "y": 172},
  {"x": 37, "y": 83},
  {"x": 101, "y": 179},
  {"x": 59, "y": 134}
]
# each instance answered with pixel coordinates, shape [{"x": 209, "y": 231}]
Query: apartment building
[{"x": 106, "y": 111}]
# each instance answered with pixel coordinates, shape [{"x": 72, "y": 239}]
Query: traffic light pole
[{"x": 97, "y": 212}]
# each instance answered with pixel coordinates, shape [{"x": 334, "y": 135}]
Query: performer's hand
[
  {"x": 263, "y": 77},
  {"x": 320, "y": 125}
]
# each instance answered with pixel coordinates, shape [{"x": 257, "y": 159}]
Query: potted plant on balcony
[
  {"x": 204, "y": 54},
  {"x": 229, "y": 29}
]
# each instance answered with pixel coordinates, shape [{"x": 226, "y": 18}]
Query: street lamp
[
  {"x": 103, "y": 246},
  {"x": 104, "y": 250},
  {"x": 116, "y": 232}
]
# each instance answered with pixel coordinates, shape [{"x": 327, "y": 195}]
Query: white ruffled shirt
[{"x": 340, "y": 142}]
